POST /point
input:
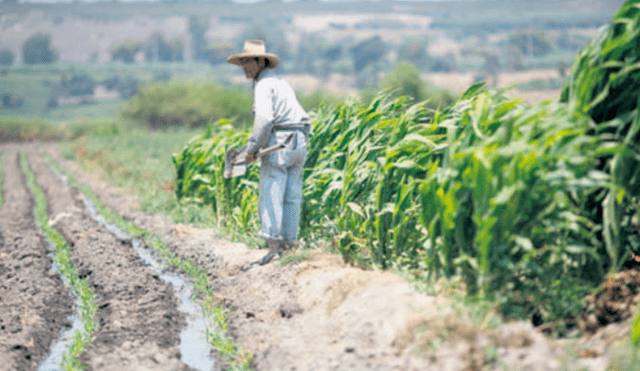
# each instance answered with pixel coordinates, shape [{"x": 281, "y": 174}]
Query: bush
[
  {"x": 7, "y": 57},
  {"x": 78, "y": 84},
  {"x": 126, "y": 50},
  {"x": 188, "y": 104},
  {"x": 37, "y": 49},
  {"x": 14, "y": 129},
  {"x": 405, "y": 80}
]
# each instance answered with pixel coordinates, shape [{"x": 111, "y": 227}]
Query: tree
[
  {"x": 126, "y": 50},
  {"x": 7, "y": 57},
  {"x": 159, "y": 50},
  {"x": 413, "y": 51},
  {"x": 197, "y": 28},
  {"x": 37, "y": 49},
  {"x": 80, "y": 84},
  {"x": 368, "y": 51},
  {"x": 405, "y": 80}
]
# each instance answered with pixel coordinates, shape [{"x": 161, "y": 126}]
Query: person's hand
[{"x": 250, "y": 158}]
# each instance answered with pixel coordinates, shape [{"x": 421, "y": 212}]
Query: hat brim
[{"x": 274, "y": 61}]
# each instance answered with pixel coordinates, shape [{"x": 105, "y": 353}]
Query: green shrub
[
  {"x": 14, "y": 128},
  {"x": 405, "y": 80},
  {"x": 188, "y": 104}
]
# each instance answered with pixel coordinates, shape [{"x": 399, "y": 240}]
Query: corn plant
[
  {"x": 199, "y": 177},
  {"x": 528, "y": 205},
  {"x": 605, "y": 84}
]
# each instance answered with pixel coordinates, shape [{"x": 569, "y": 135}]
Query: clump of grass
[
  {"x": 21, "y": 128},
  {"x": 218, "y": 335},
  {"x": 294, "y": 257},
  {"x": 81, "y": 288}
]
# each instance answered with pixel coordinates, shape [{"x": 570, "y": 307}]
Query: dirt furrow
[
  {"x": 34, "y": 302},
  {"x": 139, "y": 323}
]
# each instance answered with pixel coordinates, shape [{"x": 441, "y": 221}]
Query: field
[
  {"x": 494, "y": 225},
  {"x": 313, "y": 310}
]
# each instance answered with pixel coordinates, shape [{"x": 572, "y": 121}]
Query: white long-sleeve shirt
[{"x": 274, "y": 103}]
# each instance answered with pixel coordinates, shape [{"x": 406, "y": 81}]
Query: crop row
[
  {"x": 86, "y": 302},
  {"x": 527, "y": 205},
  {"x": 218, "y": 336}
]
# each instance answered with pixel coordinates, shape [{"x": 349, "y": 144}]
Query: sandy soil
[{"x": 315, "y": 314}]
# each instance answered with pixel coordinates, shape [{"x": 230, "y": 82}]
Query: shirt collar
[{"x": 264, "y": 73}]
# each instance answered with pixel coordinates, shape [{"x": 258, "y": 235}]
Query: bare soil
[
  {"x": 317, "y": 314},
  {"x": 34, "y": 302}
]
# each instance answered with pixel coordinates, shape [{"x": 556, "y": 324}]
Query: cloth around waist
[{"x": 304, "y": 127}]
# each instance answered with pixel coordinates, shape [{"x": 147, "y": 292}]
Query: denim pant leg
[
  {"x": 273, "y": 178},
  {"x": 281, "y": 189},
  {"x": 292, "y": 201}
]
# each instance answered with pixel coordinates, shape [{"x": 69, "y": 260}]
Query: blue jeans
[{"x": 281, "y": 187}]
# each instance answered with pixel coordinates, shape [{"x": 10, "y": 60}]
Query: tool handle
[{"x": 269, "y": 150}]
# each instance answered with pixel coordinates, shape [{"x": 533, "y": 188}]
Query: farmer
[{"x": 277, "y": 115}]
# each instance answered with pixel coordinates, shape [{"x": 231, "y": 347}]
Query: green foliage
[
  {"x": 187, "y": 104},
  {"x": 7, "y": 57},
  {"x": 488, "y": 191},
  {"x": 37, "y": 49},
  {"x": 199, "y": 178},
  {"x": 19, "y": 128},
  {"x": 311, "y": 101},
  {"x": 158, "y": 49},
  {"x": 126, "y": 50},
  {"x": 78, "y": 84},
  {"x": 635, "y": 330},
  {"x": 413, "y": 50},
  {"x": 405, "y": 80},
  {"x": 294, "y": 257},
  {"x": 605, "y": 84},
  {"x": 368, "y": 51}
]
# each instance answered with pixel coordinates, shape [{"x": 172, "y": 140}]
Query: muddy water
[
  {"x": 60, "y": 346},
  {"x": 194, "y": 348},
  {"x": 139, "y": 323}
]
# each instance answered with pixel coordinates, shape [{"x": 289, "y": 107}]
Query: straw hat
[{"x": 252, "y": 49}]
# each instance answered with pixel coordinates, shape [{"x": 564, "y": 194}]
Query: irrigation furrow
[
  {"x": 35, "y": 304},
  {"x": 137, "y": 313},
  {"x": 228, "y": 350},
  {"x": 84, "y": 295}
]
